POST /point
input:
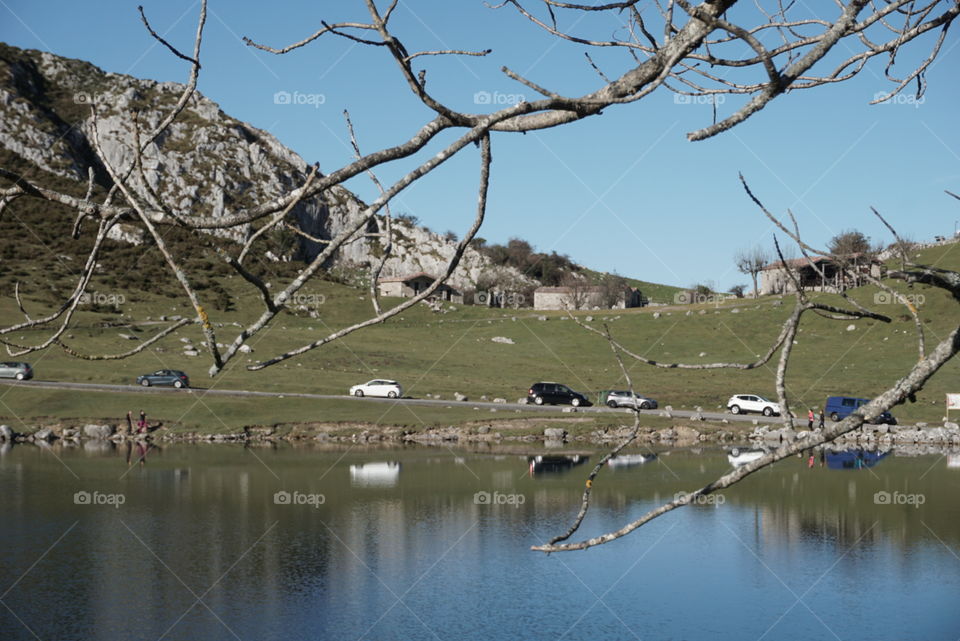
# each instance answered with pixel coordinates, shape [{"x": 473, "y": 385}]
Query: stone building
[
  {"x": 827, "y": 276},
  {"x": 585, "y": 297},
  {"x": 412, "y": 285}
]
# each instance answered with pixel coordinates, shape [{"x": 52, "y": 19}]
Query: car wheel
[
  {"x": 767, "y": 411},
  {"x": 735, "y": 409},
  {"x": 538, "y": 400},
  {"x": 575, "y": 402},
  {"x": 611, "y": 404},
  {"x": 644, "y": 405},
  {"x": 834, "y": 417},
  {"x": 735, "y": 452},
  {"x": 391, "y": 394},
  {"x": 358, "y": 393},
  {"x": 19, "y": 376},
  {"x": 178, "y": 384},
  {"x": 145, "y": 382}
]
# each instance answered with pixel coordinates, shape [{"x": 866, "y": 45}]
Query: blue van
[{"x": 840, "y": 407}]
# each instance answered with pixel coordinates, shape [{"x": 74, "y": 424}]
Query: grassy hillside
[{"x": 452, "y": 352}]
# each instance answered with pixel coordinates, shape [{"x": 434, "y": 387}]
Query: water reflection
[
  {"x": 545, "y": 464},
  {"x": 375, "y": 474},
  {"x": 630, "y": 460},
  {"x": 854, "y": 459},
  {"x": 741, "y": 456},
  {"x": 462, "y": 566}
]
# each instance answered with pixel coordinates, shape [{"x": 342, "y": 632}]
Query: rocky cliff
[{"x": 205, "y": 163}]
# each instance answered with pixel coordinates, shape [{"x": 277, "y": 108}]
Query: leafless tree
[
  {"x": 904, "y": 389},
  {"x": 692, "y": 49},
  {"x": 751, "y": 262}
]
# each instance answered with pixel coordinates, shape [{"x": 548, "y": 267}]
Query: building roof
[
  {"x": 403, "y": 279},
  {"x": 803, "y": 262},
  {"x": 797, "y": 262}
]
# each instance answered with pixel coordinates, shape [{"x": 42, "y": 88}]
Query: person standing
[
  {"x": 821, "y": 419},
  {"x": 810, "y": 419}
]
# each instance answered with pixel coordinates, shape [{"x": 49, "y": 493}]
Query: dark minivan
[
  {"x": 840, "y": 407},
  {"x": 555, "y": 393}
]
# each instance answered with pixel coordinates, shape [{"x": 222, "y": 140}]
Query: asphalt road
[{"x": 138, "y": 389}]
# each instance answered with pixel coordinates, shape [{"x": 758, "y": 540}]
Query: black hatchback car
[
  {"x": 164, "y": 377},
  {"x": 554, "y": 394}
]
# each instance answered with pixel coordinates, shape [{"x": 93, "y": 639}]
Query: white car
[
  {"x": 378, "y": 387},
  {"x": 740, "y": 403}
]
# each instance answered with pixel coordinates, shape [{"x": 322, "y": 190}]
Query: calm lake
[{"x": 226, "y": 542}]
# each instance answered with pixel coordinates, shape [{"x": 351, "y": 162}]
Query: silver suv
[
  {"x": 19, "y": 371},
  {"x": 741, "y": 403},
  {"x": 623, "y": 398}
]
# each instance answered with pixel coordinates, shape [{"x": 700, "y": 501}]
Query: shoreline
[{"x": 551, "y": 432}]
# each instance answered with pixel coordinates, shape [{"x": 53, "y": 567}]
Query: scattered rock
[
  {"x": 459, "y": 397},
  {"x": 500, "y": 400},
  {"x": 656, "y": 314},
  {"x": 589, "y": 319},
  {"x": 246, "y": 349},
  {"x": 541, "y": 318},
  {"x": 483, "y": 429},
  {"x": 684, "y": 433},
  {"x": 851, "y": 327},
  {"x": 44, "y": 434},
  {"x": 129, "y": 337},
  {"x": 98, "y": 432},
  {"x": 557, "y": 433},
  {"x": 6, "y": 434},
  {"x": 502, "y": 339},
  {"x": 569, "y": 410},
  {"x": 191, "y": 352}
]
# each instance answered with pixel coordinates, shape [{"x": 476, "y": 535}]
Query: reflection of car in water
[
  {"x": 629, "y": 460},
  {"x": 378, "y": 474},
  {"x": 554, "y": 464},
  {"x": 853, "y": 459},
  {"x": 738, "y": 456}
]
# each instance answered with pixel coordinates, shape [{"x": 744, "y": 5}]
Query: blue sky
[{"x": 622, "y": 192}]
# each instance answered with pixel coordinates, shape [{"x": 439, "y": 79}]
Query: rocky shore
[{"x": 552, "y": 433}]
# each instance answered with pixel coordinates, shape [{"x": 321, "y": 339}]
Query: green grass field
[{"x": 453, "y": 352}]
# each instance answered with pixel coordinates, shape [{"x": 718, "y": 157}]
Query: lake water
[{"x": 223, "y": 542}]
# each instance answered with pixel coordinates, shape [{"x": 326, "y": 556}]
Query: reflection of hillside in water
[{"x": 846, "y": 499}]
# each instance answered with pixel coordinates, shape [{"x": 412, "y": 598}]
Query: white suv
[{"x": 740, "y": 403}]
